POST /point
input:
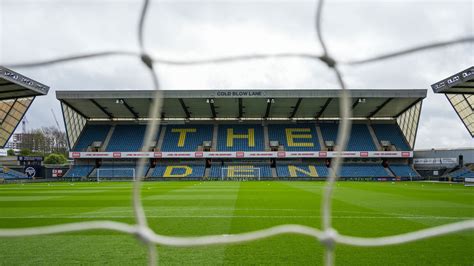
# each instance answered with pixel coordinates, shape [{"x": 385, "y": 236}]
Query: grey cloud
[{"x": 191, "y": 29}]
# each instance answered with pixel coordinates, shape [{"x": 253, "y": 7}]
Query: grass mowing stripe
[
  {"x": 362, "y": 209},
  {"x": 211, "y": 255}
]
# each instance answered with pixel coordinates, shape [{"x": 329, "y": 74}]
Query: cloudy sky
[{"x": 42, "y": 29}]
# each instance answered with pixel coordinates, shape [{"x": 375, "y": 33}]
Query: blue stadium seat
[
  {"x": 302, "y": 170},
  {"x": 392, "y": 133},
  {"x": 295, "y": 137},
  {"x": 179, "y": 171},
  {"x": 246, "y": 170},
  {"x": 462, "y": 173},
  {"x": 240, "y": 138},
  {"x": 79, "y": 171},
  {"x": 347, "y": 171},
  {"x": 360, "y": 138},
  {"x": 11, "y": 174},
  {"x": 186, "y": 137},
  {"x": 363, "y": 170},
  {"x": 89, "y": 134},
  {"x": 403, "y": 170},
  {"x": 127, "y": 138}
]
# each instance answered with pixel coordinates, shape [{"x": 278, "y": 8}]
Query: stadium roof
[
  {"x": 17, "y": 92},
  {"x": 459, "y": 89},
  {"x": 243, "y": 104},
  {"x": 462, "y": 82},
  {"x": 14, "y": 85}
]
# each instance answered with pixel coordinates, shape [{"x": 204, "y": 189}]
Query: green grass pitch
[{"x": 365, "y": 209}]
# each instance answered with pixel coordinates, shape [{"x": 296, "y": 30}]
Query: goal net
[
  {"x": 240, "y": 173},
  {"x": 328, "y": 235},
  {"x": 115, "y": 174}
]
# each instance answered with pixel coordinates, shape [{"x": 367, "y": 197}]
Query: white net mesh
[{"x": 328, "y": 236}]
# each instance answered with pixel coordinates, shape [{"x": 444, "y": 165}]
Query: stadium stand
[
  {"x": 462, "y": 173},
  {"x": 295, "y": 137},
  {"x": 79, "y": 171},
  {"x": 127, "y": 138},
  {"x": 179, "y": 171},
  {"x": 360, "y": 139},
  {"x": 186, "y": 138},
  {"x": 240, "y": 170},
  {"x": 90, "y": 134},
  {"x": 363, "y": 170},
  {"x": 392, "y": 133},
  {"x": 302, "y": 170},
  {"x": 239, "y": 126},
  {"x": 243, "y": 137},
  {"x": 11, "y": 174},
  {"x": 403, "y": 170}
]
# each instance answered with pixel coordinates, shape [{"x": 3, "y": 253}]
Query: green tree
[
  {"x": 55, "y": 158},
  {"x": 25, "y": 152},
  {"x": 11, "y": 152}
]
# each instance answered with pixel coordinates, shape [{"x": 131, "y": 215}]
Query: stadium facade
[{"x": 217, "y": 134}]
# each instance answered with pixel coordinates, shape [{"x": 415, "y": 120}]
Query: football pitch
[{"x": 366, "y": 209}]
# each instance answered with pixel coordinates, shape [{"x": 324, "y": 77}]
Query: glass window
[
  {"x": 408, "y": 122},
  {"x": 74, "y": 124},
  {"x": 11, "y": 113},
  {"x": 463, "y": 105}
]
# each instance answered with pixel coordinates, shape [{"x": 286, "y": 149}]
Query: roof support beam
[
  {"x": 269, "y": 106},
  {"x": 462, "y": 86},
  {"x": 130, "y": 109},
  {"x": 7, "y": 84},
  {"x": 355, "y": 104},
  {"x": 295, "y": 108},
  {"x": 9, "y": 91},
  {"x": 4, "y": 96},
  {"x": 102, "y": 108},
  {"x": 323, "y": 108},
  {"x": 468, "y": 103},
  {"x": 185, "y": 108},
  {"x": 213, "y": 110},
  {"x": 380, "y": 107},
  {"x": 408, "y": 108},
  {"x": 241, "y": 108}
]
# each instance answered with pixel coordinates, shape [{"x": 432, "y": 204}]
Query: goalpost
[
  {"x": 115, "y": 174},
  {"x": 240, "y": 173}
]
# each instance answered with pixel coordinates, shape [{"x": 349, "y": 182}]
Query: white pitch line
[
  {"x": 160, "y": 210},
  {"x": 240, "y": 216}
]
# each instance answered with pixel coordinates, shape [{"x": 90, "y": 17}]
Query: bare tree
[{"x": 45, "y": 140}]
